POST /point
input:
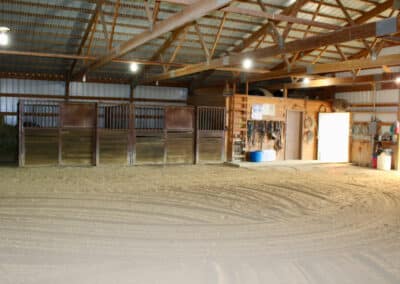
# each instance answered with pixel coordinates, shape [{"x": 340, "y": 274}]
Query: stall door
[
  {"x": 293, "y": 135},
  {"x": 333, "y": 137}
]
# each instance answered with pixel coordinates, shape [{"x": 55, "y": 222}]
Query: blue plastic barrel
[{"x": 256, "y": 156}]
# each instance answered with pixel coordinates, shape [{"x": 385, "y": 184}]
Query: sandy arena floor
[{"x": 199, "y": 224}]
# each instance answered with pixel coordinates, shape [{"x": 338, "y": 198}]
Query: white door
[{"x": 333, "y": 137}]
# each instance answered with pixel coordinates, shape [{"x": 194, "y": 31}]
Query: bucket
[
  {"x": 374, "y": 161},
  {"x": 269, "y": 155},
  {"x": 256, "y": 156},
  {"x": 384, "y": 162}
]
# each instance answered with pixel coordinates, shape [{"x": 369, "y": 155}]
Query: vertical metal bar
[{"x": 131, "y": 136}]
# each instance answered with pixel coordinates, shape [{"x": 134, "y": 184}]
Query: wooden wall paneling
[
  {"x": 41, "y": 146},
  {"x": 150, "y": 147},
  {"x": 180, "y": 147},
  {"x": 113, "y": 146}
]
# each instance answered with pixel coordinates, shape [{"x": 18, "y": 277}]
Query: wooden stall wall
[
  {"x": 365, "y": 106},
  {"x": 180, "y": 125},
  {"x": 78, "y": 133},
  {"x": 150, "y": 135},
  {"x": 8, "y": 142},
  {"x": 53, "y": 133},
  {"x": 39, "y": 133},
  {"x": 309, "y": 109}
]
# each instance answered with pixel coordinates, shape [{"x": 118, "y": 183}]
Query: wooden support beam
[
  {"x": 389, "y": 60},
  {"x": 104, "y": 25},
  {"x": 296, "y": 7},
  {"x": 217, "y": 37},
  {"x": 114, "y": 23},
  {"x": 261, "y": 32},
  {"x": 190, "y": 13},
  {"x": 89, "y": 27},
  {"x": 156, "y": 10},
  {"x": 178, "y": 47},
  {"x": 202, "y": 42},
  {"x": 380, "y": 8},
  {"x": 351, "y": 21},
  {"x": 279, "y": 17},
  {"x": 345, "y": 81},
  {"x": 84, "y": 57},
  {"x": 335, "y": 37},
  {"x": 149, "y": 13}
]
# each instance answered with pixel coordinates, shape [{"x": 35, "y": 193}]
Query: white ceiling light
[
  {"x": 306, "y": 80},
  {"x": 247, "y": 63},
  {"x": 134, "y": 67},
  {"x": 4, "y": 37},
  {"x": 398, "y": 80}
]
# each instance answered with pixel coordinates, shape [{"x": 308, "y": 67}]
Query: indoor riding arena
[{"x": 199, "y": 141}]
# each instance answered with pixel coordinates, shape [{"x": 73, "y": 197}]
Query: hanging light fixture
[
  {"x": 397, "y": 80},
  {"x": 4, "y": 37},
  {"x": 247, "y": 63},
  {"x": 84, "y": 78},
  {"x": 134, "y": 67}
]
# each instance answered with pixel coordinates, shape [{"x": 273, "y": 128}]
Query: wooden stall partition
[
  {"x": 150, "y": 134},
  {"x": 180, "y": 130},
  {"x": 38, "y": 125},
  {"x": 78, "y": 133},
  {"x": 210, "y": 134}
]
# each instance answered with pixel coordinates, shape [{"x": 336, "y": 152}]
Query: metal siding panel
[
  {"x": 99, "y": 90},
  {"x": 160, "y": 93},
  {"x": 38, "y": 87}
]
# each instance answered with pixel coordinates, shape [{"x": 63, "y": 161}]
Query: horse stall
[
  {"x": 66, "y": 133},
  {"x": 210, "y": 134}
]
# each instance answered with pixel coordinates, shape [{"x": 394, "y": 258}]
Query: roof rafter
[
  {"x": 335, "y": 37},
  {"x": 190, "y": 13}
]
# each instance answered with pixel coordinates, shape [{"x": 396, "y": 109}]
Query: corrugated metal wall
[
  {"x": 155, "y": 95},
  {"x": 361, "y": 114},
  {"x": 160, "y": 93},
  {"x": 34, "y": 87},
  {"x": 99, "y": 90}
]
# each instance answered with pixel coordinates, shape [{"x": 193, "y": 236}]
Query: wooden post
[
  {"x": 131, "y": 93},
  {"x": 21, "y": 135},
  {"x": 96, "y": 148},
  {"x": 67, "y": 81},
  {"x": 196, "y": 131},
  {"x": 60, "y": 126},
  {"x": 165, "y": 136},
  {"x": 223, "y": 135},
  {"x": 397, "y": 162},
  {"x": 247, "y": 87}
]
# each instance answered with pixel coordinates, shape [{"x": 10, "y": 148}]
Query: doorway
[
  {"x": 293, "y": 135},
  {"x": 333, "y": 137}
]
